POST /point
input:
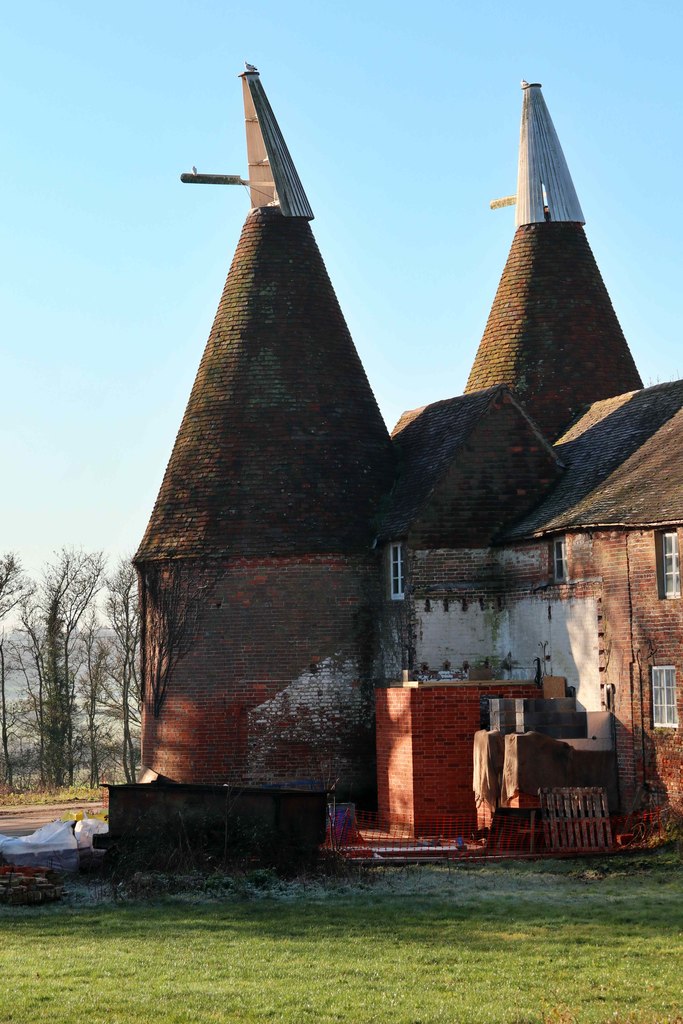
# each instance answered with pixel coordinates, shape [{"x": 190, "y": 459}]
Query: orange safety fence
[{"x": 511, "y": 832}]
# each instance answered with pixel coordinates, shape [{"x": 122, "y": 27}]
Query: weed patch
[{"x": 35, "y": 797}]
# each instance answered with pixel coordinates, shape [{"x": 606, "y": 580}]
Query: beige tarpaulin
[
  {"x": 533, "y": 760},
  {"x": 505, "y": 766},
  {"x": 489, "y": 750}
]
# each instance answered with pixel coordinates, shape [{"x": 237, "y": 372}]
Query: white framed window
[
  {"x": 397, "y": 571},
  {"x": 560, "y": 560},
  {"x": 669, "y": 571},
  {"x": 664, "y": 713}
]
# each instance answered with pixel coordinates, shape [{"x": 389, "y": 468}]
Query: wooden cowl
[
  {"x": 552, "y": 334},
  {"x": 282, "y": 449}
]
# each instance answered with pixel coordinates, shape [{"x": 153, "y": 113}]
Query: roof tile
[
  {"x": 552, "y": 333},
  {"x": 624, "y": 461},
  {"x": 282, "y": 448}
]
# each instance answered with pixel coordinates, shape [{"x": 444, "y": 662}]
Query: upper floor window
[
  {"x": 560, "y": 560},
  {"x": 668, "y": 567},
  {"x": 664, "y": 711},
  {"x": 397, "y": 571}
]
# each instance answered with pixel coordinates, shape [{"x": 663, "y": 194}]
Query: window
[
  {"x": 396, "y": 572},
  {"x": 664, "y": 712},
  {"x": 560, "y": 560},
  {"x": 668, "y": 568}
]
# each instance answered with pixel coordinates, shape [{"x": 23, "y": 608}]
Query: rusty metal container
[{"x": 295, "y": 817}]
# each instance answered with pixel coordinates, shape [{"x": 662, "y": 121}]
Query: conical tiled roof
[
  {"x": 282, "y": 449},
  {"x": 552, "y": 334}
]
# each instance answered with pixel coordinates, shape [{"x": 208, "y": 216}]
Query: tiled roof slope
[
  {"x": 624, "y": 461},
  {"x": 282, "y": 449},
  {"x": 427, "y": 441},
  {"x": 552, "y": 334},
  {"x": 431, "y": 441}
]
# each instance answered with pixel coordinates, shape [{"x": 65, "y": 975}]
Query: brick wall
[
  {"x": 277, "y": 683},
  {"x": 425, "y": 747},
  {"x": 629, "y": 626},
  {"x": 471, "y": 604},
  {"x": 640, "y": 630},
  {"x": 518, "y": 566}
]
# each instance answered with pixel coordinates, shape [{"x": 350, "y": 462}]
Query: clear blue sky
[{"x": 403, "y": 122}]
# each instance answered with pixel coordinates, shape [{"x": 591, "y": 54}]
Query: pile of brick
[{"x": 19, "y": 885}]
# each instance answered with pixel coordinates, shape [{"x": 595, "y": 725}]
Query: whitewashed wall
[{"x": 520, "y": 628}]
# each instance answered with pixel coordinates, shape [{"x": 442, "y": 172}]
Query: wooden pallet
[{"x": 576, "y": 819}]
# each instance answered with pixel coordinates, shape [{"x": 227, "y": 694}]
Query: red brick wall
[
  {"x": 395, "y": 773},
  {"x": 640, "y": 630},
  {"x": 636, "y": 630},
  {"x": 277, "y": 684},
  {"x": 519, "y": 566},
  {"x": 425, "y": 747}
]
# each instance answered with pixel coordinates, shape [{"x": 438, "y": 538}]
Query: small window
[
  {"x": 668, "y": 566},
  {"x": 560, "y": 560},
  {"x": 397, "y": 572},
  {"x": 664, "y": 714}
]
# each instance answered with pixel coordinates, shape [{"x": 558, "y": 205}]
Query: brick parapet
[{"x": 425, "y": 748}]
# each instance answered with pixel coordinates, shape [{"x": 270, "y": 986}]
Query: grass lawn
[{"x": 547, "y": 942}]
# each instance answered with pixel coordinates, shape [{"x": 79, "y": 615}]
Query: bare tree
[
  {"x": 47, "y": 655},
  {"x": 13, "y": 588},
  {"x": 170, "y": 610},
  {"x": 28, "y": 649},
  {"x": 69, "y": 588},
  {"x": 8, "y": 716},
  {"x": 13, "y": 584},
  {"x": 96, "y": 650},
  {"x": 122, "y": 689}
]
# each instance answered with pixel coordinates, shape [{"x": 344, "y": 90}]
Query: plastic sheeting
[
  {"x": 53, "y": 846},
  {"x": 86, "y": 828}
]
